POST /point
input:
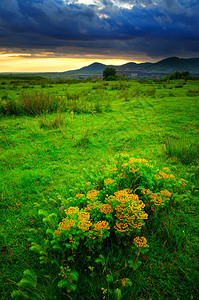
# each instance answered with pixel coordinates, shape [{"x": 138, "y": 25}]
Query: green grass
[{"x": 48, "y": 157}]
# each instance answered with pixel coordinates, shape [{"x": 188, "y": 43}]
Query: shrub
[
  {"x": 109, "y": 74},
  {"x": 38, "y": 103},
  {"x": 56, "y": 122},
  {"x": 192, "y": 93},
  {"x": 95, "y": 242}
]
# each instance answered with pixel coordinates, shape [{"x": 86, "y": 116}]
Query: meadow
[{"x": 99, "y": 189}]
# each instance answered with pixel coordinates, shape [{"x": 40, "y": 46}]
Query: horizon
[
  {"x": 66, "y": 64},
  {"x": 108, "y": 62}
]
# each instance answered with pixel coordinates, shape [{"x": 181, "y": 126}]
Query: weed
[
  {"x": 105, "y": 233},
  {"x": 192, "y": 93},
  {"x": 186, "y": 151},
  {"x": 37, "y": 103},
  {"x": 46, "y": 122}
]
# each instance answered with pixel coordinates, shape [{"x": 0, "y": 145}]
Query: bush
[
  {"x": 38, "y": 103},
  {"x": 109, "y": 74},
  {"x": 97, "y": 239}
]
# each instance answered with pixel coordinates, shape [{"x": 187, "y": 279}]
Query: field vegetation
[{"x": 99, "y": 189}]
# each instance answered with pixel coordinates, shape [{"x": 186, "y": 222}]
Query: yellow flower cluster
[
  {"x": 79, "y": 195},
  {"x": 133, "y": 170},
  {"x": 108, "y": 181},
  {"x": 83, "y": 215},
  {"x": 183, "y": 182},
  {"x": 100, "y": 226},
  {"x": 93, "y": 206},
  {"x": 165, "y": 194},
  {"x": 164, "y": 175},
  {"x": 106, "y": 208},
  {"x": 121, "y": 227},
  {"x": 140, "y": 242},
  {"x": 84, "y": 224},
  {"x": 129, "y": 210},
  {"x": 156, "y": 199},
  {"x": 92, "y": 195},
  {"x": 139, "y": 160},
  {"x": 72, "y": 210},
  {"x": 145, "y": 191},
  {"x": 66, "y": 224}
]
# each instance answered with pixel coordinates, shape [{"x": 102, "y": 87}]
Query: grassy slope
[{"x": 39, "y": 163}]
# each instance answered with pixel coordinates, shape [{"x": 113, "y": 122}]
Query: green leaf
[
  {"x": 100, "y": 259},
  {"x": 50, "y": 231},
  {"x": 42, "y": 213},
  {"x": 30, "y": 275},
  {"x": 137, "y": 265},
  {"x": 19, "y": 295},
  {"x": 57, "y": 247},
  {"x": 109, "y": 278},
  {"x": 131, "y": 263},
  {"x": 74, "y": 275},
  {"x": 36, "y": 248},
  {"x": 118, "y": 294},
  {"x": 128, "y": 282},
  {"x": 25, "y": 283}
]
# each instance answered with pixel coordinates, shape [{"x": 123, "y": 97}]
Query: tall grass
[
  {"x": 38, "y": 103},
  {"x": 185, "y": 150}
]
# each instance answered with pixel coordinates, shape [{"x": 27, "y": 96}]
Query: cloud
[{"x": 155, "y": 28}]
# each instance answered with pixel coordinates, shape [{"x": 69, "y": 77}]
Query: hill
[
  {"x": 173, "y": 64},
  {"x": 168, "y": 65}
]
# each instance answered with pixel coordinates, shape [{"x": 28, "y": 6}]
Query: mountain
[
  {"x": 133, "y": 66},
  {"x": 99, "y": 68},
  {"x": 167, "y": 65},
  {"x": 95, "y": 67},
  {"x": 173, "y": 64}
]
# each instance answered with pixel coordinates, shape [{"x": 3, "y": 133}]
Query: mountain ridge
[{"x": 167, "y": 65}]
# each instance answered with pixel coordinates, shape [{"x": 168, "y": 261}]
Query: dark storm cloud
[{"x": 155, "y": 28}]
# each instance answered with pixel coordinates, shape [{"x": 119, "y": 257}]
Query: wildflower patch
[{"x": 105, "y": 228}]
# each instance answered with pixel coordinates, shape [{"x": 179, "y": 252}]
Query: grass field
[{"x": 58, "y": 137}]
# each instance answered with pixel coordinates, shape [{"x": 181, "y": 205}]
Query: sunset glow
[{"x": 25, "y": 63}]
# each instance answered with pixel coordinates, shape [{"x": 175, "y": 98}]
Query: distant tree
[
  {"x": 177, "y": 75},
  {"x": 109, "y": 74}
]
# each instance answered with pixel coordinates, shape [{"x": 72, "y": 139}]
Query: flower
[
  {"x": 83, "y": 215},
  {"x": 108, "y": 181},
  {"x": 165, "y": 193},
  {"x": 66, "y": 224},
  {"x": 140, "y": 242},
  {"x": 100, "y": 226},
  {"x": 129, "y": 210},
  {"x": 79, "y": 195},
  {"x": 93, "y": 206},
  {"x": 106, "y": 208},
  {"x": 92, "y": 195},
  {"x": 71, "y": 210},
  {"x": 133, "y": 170},
  {"x": 139, "y": 160},
  {"x": 183, "y": 182},
  {"x": 84, "y": 225},
  {"x": 121, "y": 227},
  {"x": 123, "y": 281}
]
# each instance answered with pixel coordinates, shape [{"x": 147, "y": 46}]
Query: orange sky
[
  {"x": 46, "y": 62},
  {"x": 18, "y": 62}
]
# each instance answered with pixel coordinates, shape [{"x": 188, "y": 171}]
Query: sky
[{"x": 61, "y": 35}]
